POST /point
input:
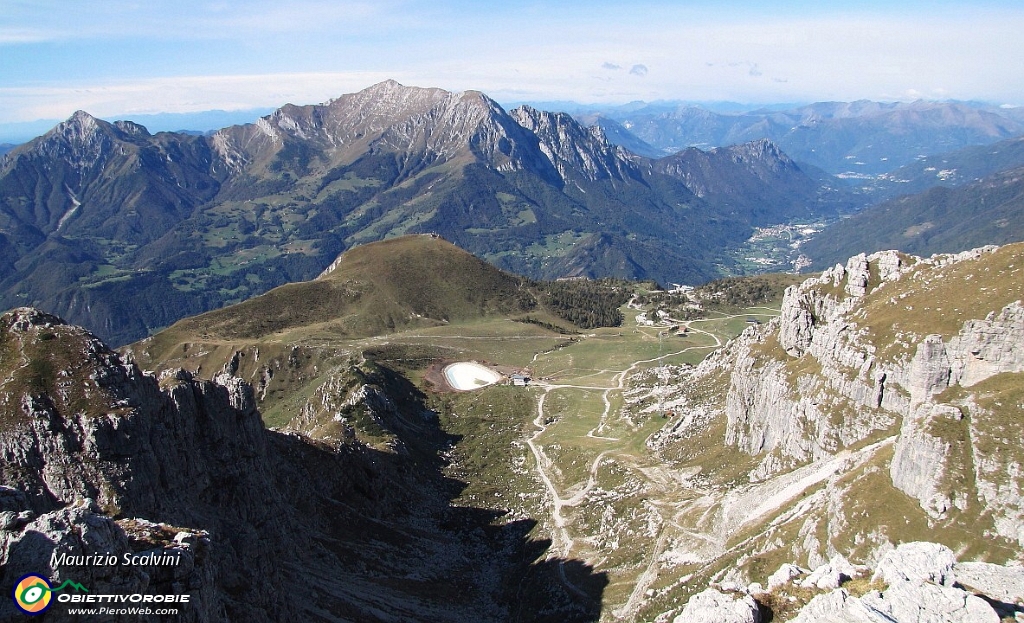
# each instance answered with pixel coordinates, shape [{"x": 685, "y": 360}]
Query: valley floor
[
  {"x": 582, "y": 465},
  {"x": 589, "y": 443},
  {"x": 633, "y": 533}
]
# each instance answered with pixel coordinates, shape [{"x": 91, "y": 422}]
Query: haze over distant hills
[
  {"x": 854, "y": 139},
  {"x": 956, "y": 168},
  {"x": 939, "y": 220}
]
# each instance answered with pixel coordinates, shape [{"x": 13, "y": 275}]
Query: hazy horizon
[
  {"x": 123, "y": 58},
  {"x": 214, "y": 119}
]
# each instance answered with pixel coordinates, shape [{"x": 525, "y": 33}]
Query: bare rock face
[
  {"x": 925, "y": 457},
  {"x": 921, "y": 463},
  {"x": 917, "y": 562},
  {"x": 764, "y": 412},
  {"x": 832, "y": 390},
  {"x": 922, "y": 582},
  {"x": 985, "y": 348},
  {"x": 857, "y": 276},
  {"x": 712, "y": 606},
  {"x": 929, "y": 369},
  {"x": 906, "y": 602},
  {"x": 87, "y": 424},
  {"x": 1003, "y": 584},
  {"x": 796, "y": 323},
  {"x": 982, "y": 349}
]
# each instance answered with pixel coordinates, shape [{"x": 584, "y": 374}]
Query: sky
[{"x": 125, "y": 57}]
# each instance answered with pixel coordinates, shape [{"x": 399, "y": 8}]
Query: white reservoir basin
[{"x": 466, "y": 375}]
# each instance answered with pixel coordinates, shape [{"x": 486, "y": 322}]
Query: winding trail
[{"x": 562, "y": 540}]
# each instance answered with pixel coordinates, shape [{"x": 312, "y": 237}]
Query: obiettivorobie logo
[{"x": 33, "y": 593}]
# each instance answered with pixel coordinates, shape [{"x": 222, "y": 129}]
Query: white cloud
[
  {"x": 21, "y": 35},
  {"x": 311, "y": 50}
]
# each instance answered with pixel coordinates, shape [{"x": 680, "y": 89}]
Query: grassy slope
[
  {"x": 374, "y": 289},
  {"x": 939, "y": 301}
]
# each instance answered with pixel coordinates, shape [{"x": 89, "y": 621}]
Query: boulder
[
  {"x": 835, "y": 607},
  {"x": 785, "y": 575},
  {"x": 921, "y": 602},
  {"x": 711, "y": 606},
  {"x": 917, "y": 562},
  {"x": 1004, "y": 585},
  {"x": 832, "y": 574}
]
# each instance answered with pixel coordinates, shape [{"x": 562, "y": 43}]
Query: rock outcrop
[
  {"x": 99, "y": 457},
  {"x": 920, "y": 464},
  {"x": 82, "y": 530},
  {"x": 712, "y": 606},
  {"x": 882, "y": 406},
  {"x": 914, "y": 583},
  {"x": 823, "y": 376}
]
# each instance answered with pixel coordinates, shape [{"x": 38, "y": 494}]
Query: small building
[{"x": 520, "y": 380}]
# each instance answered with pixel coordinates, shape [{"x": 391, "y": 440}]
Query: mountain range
[
  {"x": 857, "y": 140},
  {"x": 124, "y": 231}
]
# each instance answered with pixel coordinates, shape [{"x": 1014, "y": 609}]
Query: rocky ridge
[
  {"x": 878, "y": 408},
  {"x": 766, "y": 417},
  {"x": 102, "y": 458}
]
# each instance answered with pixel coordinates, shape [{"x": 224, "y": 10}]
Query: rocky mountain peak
[
  {"x": 131, "y": 128},
  {"x": 384, "y": 104},
  {"x": 762, "y": 149},
  {"x": 21, "y": 319},
  {"x": 82, "y": 140},
  {"x": 82, "y": 120},
  {"x": 387, "y": 116},
  {"x": 574, "y": 149}
]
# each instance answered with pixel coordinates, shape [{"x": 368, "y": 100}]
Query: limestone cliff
[
  {"x": 840, "y": 384},
  {"x": 882, "y": 405}
]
